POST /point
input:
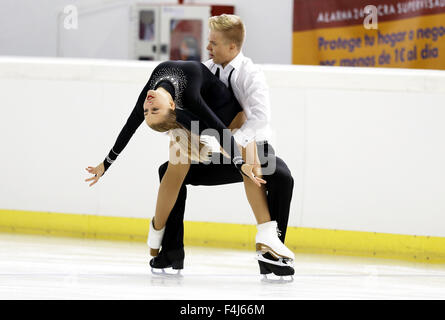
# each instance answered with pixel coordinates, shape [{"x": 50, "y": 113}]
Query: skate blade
[
  {"x": 276, "y": 279},
  {"x": 167, "y": 272},
  {"x": 261, "y": 247},
  {"x": 282, "y": 262}
]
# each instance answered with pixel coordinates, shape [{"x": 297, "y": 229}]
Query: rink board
[
  {"x": 224, "y": 235},
  {"x": 364, "y": 145}
]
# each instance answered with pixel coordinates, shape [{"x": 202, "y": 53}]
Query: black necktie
[
  {"x": 228, "y": 81},
  {"x": 217, "y": 73}
]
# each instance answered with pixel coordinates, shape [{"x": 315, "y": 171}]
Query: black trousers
[{"x": 279, "y": 188}]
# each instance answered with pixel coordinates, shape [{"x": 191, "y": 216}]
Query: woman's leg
[
  {"x": 174, "y": 231},
  {"x": 279, "y": 195},
  {"x": 279, "y": 187},
  {"x": 257, "y": 199},
  {"x": 169, "y": 189},
  {"x": 256, "y": 196}
]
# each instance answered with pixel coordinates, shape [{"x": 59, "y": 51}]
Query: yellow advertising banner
[{"x": 333, "y": 33}]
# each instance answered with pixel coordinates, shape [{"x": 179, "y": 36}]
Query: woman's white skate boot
[
  {"x": 155, "y": 239},
  {"x": 164, "y": 259},
  {"x": 267, "y": 241}
]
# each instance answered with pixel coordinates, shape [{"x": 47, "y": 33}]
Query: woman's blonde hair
[
  {"x": 184, "y": 138},
  {"x": 232, "y": 27}
]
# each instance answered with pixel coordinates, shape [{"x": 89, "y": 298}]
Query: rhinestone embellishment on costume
[{"x": 173, "y": 75}]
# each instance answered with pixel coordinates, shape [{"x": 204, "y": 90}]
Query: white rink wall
[{"x": 365, "y": 146}]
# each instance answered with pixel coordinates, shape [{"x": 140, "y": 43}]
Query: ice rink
[{"x": 39, "y": 267}]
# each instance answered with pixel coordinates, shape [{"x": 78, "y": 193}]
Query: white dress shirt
[{"x": 251, "y": 91}]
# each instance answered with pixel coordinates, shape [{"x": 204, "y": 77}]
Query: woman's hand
[
  {"x": 249, "y": 170},
  {"x": 98, "y": 172}
]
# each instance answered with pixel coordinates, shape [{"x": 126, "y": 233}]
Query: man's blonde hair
[{"x": 232, "y": 27}]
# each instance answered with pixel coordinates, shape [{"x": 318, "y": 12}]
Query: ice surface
[{"x": 39, "y": 267}]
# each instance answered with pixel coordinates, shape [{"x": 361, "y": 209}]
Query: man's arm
[{"x": 255, "y": 97}]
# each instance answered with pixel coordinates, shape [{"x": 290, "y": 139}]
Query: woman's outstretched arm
[{"x": 133, "y": 122}]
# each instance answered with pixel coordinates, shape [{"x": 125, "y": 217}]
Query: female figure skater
[{"x": 176, "y": 94}]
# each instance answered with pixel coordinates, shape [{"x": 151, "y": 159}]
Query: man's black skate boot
[
  {"x": 167, "y": 259},
  {"x": 267, "y": 268}
]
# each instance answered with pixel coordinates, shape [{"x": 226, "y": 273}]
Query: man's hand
[{"x": 97, "y": 171}]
